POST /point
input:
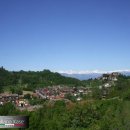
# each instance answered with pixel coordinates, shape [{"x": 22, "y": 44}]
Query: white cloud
[{"x": 90, "y": 71}]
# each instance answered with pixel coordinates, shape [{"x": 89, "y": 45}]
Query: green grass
[{"x": 126, "y": 114}]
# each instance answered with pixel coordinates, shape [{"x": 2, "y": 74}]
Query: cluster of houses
[
  {"x": 110, "y": 77},
  {"x": 58, "y": 92},
  {"x": 52, "y": 93},
  {"x": 4, "y": 97},
  {"x": 14, "y": 98},
  {"x": 18, "y": 100},
  {"x": 109, "y": 81}
]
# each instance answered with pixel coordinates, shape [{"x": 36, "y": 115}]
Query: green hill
[{"x": 34, "y": 79}]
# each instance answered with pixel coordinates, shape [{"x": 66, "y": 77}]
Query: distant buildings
[
  {"x": 59, "y": 93},
  {"x": 108, "y": 81},
  {"x": 111, "y": 77},
  {"x": 8, "y": 98},
  {"x": 14, "y": 98}
]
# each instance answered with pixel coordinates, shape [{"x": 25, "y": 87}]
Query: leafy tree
[{"x": 27, "y": 96}]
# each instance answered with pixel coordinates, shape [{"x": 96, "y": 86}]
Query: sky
[{"x": 63, "y": 35}]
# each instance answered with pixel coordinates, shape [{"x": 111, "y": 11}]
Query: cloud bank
[{"x": 90, "y": 71}]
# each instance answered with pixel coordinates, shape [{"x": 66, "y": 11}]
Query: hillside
[
  {"x": 35, "y": 79},
  {"x": 92, "y": 113}
]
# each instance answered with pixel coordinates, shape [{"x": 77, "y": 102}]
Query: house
[
  {"x": 111, "y": 77},
  {"x": 1, "y": 103},
  {"x": 79, "y": 99},
  {"x": 107, "y": 85},
  {"x": 8, "y": 97},
  {"x": 100, "y": 87},
  {"x": 22, "y": 103},
  {"x": 81, "y": 91}
]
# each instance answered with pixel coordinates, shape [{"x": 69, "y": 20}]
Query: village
[
  {"x": 54, "y": 93},
  {"x": 51, "y": 93},
  {"x": 59, "y": 93}
]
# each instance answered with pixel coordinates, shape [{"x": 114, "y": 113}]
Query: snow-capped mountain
[
  {"x": 88, "y": 75},
  {"x": 83, "y": 76}
]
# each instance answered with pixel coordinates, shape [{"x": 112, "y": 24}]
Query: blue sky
[{"x": 65, "y": 34}]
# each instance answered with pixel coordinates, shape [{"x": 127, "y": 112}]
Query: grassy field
[
  {"x": 27, "y": 92},
  {"x": 126, "y": 113}
]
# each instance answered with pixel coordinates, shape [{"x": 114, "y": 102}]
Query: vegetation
[
  {"x": 92, "y": 82},
  {"x": 30, "y": 80},
  {"x": 99, "y": 115},
  {"x": 121, "y": 88},
  {"x": 93, "y": 113}
]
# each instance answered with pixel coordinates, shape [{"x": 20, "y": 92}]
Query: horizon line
[
  {"x": 90, "y": 71},
  {"x": 76, "y": 71}
]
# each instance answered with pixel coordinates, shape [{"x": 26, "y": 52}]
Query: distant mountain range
[
  {"x": 83, "y": 76},
  {"x": 90, "y": 75},
  {"x": 127, "y": 73}
]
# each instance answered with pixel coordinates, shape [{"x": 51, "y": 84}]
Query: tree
[{"x": 27, "y": 96}]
